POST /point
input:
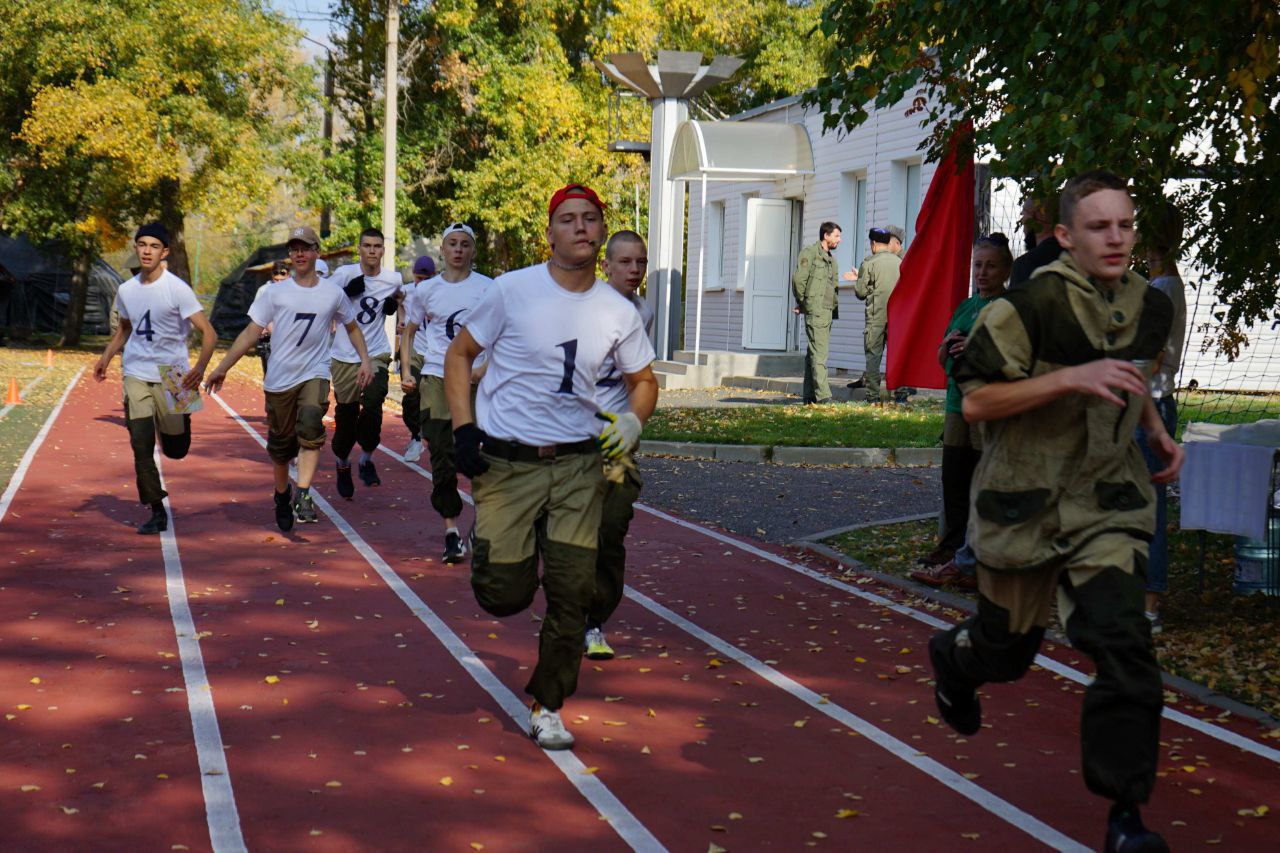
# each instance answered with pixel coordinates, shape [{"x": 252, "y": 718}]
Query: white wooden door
[{"x": 766, "y": 274}]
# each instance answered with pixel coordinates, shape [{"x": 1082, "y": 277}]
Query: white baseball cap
[
  {"x": 459, "y": 227},
  {"x": 321, "y": 267}
]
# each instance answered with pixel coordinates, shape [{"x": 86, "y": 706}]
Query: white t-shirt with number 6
[
  {"x": 439, "y": 308},
  {"x": 367, "y": 309},
  {"x": 300, "y": 339},
  {"x": 547, "y": 346},
  {"x": 160, "y": 314}
]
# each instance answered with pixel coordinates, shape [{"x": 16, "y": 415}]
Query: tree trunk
[
  {"x": 79, "y": 293},
  {"x": 173, "y": 219}
]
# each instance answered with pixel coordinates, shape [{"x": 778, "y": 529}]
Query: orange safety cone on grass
[
  {"x": 48, "y": 358},
  {"x": 12, "y": 398}
]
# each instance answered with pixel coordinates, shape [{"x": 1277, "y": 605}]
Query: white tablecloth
[{"x": 1226, "y": 480}]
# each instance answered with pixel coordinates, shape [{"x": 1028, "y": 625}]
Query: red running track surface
[{"x": 347, "y": 724}]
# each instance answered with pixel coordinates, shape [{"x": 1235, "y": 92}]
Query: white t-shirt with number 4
[
  {"x": 160, "y": 314},
  {"x": 300, "y": 339},
  {"x": 547, "y": 347},
  {"x": 367, "y": 308},
  {"x": 439, "y": 308}
]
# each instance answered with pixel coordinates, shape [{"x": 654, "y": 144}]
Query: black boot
[
  {"x": 157, "y": 523},
  {"x": 1126, "y": 834},
  {"x": 284, "y": 509}
]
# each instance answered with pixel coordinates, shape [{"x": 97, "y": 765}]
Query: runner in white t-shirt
[
  {"x": 157, "y": 311},
  {"x": 626, "y": 260},
  {"x": 434, "y": 314},
  {"x": 300, "y": 310},
  {"x": 375, "y": 294},
  {"x": 424, "y": 269},
  {"x": 535, "y": 458}
]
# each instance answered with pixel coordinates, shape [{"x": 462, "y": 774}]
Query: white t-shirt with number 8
[
  {"x": 367, "y": 309},
  {"x": 547, "y": 346},
  {"x": 300, "y": 339},
  {"x": 160, "y": 314}
]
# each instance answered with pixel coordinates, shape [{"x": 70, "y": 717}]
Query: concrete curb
[
  {"x": 1194, "y": 690},
  {"x": 857, "y": 457}
]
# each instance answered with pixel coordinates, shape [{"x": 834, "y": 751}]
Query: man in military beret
[{"x": 877, "y": 277}]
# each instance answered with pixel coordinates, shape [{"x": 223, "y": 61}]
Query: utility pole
[
  {"x": 326, "y": 217},
  {"x": 389, "y": 135}
]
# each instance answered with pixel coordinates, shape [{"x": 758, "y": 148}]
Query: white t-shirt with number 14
[
  {"x": 160, "y": 314},
  {"x": 300, "y": 339},
  {"x": 367, "y": 309},
  {"x": 547, "y": 347}
]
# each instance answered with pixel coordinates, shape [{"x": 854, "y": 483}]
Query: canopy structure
[
  {"x": 740, "y": 151},
  {"x": 735, "y": 151}
]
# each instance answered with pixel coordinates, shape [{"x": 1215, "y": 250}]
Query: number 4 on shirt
[{"x": 144, "y": 329}]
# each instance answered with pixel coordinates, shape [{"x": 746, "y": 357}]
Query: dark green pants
[
  {"x": 146, "y": 419},
  {"x": 438, "y": 433},
  {"x": 817, "y": 329},
  {"x": 357, "y": 417},
  {"x": 1101, "y": 591},
  {"x": 873, "y": 341},
  {"x": 548, "y": 510},
  {"x": 611, "y": 557},
  {"x": 410, "y": 403}
]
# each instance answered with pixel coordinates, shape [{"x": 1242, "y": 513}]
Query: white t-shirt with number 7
[
  {"x": 300, "y": 339},
  {"x": 547, "y": 347},
  {"x": 160, "y": 314}
]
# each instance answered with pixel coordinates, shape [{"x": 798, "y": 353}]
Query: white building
[{"x": 872, "y": 176}]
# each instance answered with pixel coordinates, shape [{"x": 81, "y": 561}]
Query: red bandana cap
[{"x": 573, "y": 191}]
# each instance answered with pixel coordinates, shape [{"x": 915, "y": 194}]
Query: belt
[{"x": 514, "y": 451}]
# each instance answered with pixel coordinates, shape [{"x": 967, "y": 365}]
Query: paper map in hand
[{"x": 178, "y": 400}]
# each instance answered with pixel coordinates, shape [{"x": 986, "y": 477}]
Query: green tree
[
  {"x": 1153, "y": 89},
  {"x": 114, "y": 111}
]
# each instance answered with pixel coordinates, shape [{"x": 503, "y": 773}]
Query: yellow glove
[{"x": 620, "y": 435}]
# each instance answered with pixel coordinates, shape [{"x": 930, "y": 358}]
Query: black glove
[
  {"x": 389, "y": 306},
  {"x": 466, "y": 450},
  {"x": 355, "y": 287}
]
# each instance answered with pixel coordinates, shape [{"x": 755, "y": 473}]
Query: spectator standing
[
  {"x": 875, "y": 281},
  {"x": 961, "y": 444},
  {"x": 1162, "y": 232},
  {"x": 814, "y": 286},
  {"x": 1042, "y": 246}
]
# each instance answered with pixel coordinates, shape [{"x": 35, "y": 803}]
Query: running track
[{"x": 338, "y": 688}]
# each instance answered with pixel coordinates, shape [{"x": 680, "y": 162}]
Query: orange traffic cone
[
  {"x": 48, "y": 358},
  {"x": 13, "y": 399}
]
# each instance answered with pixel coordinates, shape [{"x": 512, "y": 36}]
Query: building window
[
  {"x": 904, "y": 197},
  {"x": 853, "y": 218},
  {"x": 714, "y": 258}
]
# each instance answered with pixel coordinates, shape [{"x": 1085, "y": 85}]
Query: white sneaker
[
  {"x": 413, "y": 450},
  {"x": 548, "y": 729},
  {"x": 1157, "y": 624}
]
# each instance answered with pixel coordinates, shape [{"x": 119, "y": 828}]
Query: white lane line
[
  {"x": 1172, "y": 714},
  {"x": 215, "y": 779},
  {"x": 23, "y": 393},
  {"x": 628, "y": 827},
  {"x": 1002, "y": 809},
  {"x": 30, "y": 455}
]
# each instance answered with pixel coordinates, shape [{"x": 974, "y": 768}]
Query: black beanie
[{"x": 154, "y": 229}]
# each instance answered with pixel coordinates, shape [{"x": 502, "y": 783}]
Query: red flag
[{"x": 934, "y": 278}]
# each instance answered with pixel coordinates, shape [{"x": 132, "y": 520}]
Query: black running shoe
[
  {"x": 346, "y": 488},
  {"x": 958, "y": 703},
  {"x": 284, "y": 509},
  {"x": 157, "y": 523},
  {"x": 1126, "y": 834},
  {"x": 304, "y": 508},
  {"x": 369, "y": 474},
  {"x": 454, "y": 549}
]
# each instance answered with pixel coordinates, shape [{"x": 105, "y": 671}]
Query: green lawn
[
  {"x": 1221, "y": 639},
  {"x": 19, "y": 427},
  {"x": 1221, "y": 408},
  {"x": 918, "y": 424}
]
